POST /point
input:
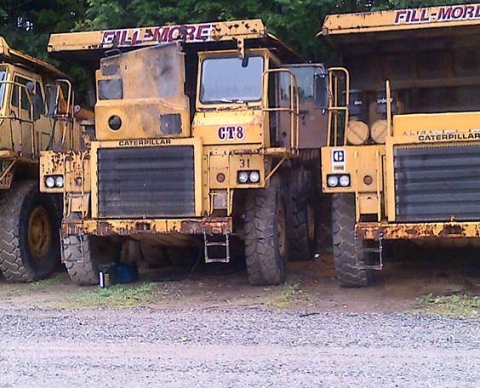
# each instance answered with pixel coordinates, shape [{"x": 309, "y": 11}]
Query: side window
[{"x": 19, "y": 94}]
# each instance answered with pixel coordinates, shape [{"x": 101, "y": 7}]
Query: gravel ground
[{"x": 235, "y": 348}]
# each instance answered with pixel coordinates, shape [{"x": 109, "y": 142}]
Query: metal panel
[
  {"x": 437, "y": 183},
  {"x": 146, "y": 182}
]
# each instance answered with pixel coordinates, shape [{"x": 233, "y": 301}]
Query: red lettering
[
  {"x": 414, "y": 18},
  {"x": 203, "y": 32},
  {"x": 400, "y": 16},
  {"x": 190, "y": 32},
  {"x": 445, "y": 13},
  {"x": 174, "y": 33},
  {"x": 477, "y": 11},
  {"x": 469, "y": 11},
  {"x": 161, "y": 34},
  {"x": 425, "y": 17},
  {"x": 457, "y": 12}
]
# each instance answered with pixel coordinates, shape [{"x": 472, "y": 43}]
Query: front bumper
[
  {"x": 130, "y": 227},
  {"x": 414, "y": 231}
]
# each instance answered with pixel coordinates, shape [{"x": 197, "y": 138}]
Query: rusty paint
[
  {"x": 372, "y": 231},
  {"x": 209, "y": 225}
]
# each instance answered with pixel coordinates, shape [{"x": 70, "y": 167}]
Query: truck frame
[
  {"x": 36, "y": 108},
  {"x": 207, "y": 138},
  {"x": 404, "y": 153}
]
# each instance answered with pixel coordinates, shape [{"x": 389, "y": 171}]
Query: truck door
[{"x": 22, "y": 120}]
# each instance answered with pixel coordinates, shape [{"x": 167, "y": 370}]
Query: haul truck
[
  {"x": 403, "y": 155},
  {"x": 36, "y": 113},
  {"x": 205, "y": 135}
]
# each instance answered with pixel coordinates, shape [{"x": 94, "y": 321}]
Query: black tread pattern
[
  {"x": 13, "y": 266},
  {"x": 343, "y": 226},
  {"x": 264, "y": 266},
  {"x": 77, "y": 256},
  {"x": 301, "y": 247}
]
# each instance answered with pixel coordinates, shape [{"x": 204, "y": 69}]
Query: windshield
[
  {"x": 3, "y": 84},
  {"x": 226, "y": 80}
]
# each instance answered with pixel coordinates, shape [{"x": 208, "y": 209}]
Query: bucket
[
  {"x": 107, "y": 275},
  {"x": 126, "y": 273}
]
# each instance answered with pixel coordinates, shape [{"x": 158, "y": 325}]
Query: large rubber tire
[
  {"x": 343, "y": 226},
  {"x": 266, "y": 242},
  {"x": 302, "y": 218},
  {"x": 29, "y": 233},
  {"x": 83, "y": 254}
]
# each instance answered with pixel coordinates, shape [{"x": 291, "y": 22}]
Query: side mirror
[{"x": 320, "y": 91}]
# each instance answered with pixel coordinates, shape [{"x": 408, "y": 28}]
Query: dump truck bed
[
  {"x": 397, "y": 29},
  {"x": 90, "y": 46}
]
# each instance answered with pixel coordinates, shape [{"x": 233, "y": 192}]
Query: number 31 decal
[{"x": 231, "y": 133}]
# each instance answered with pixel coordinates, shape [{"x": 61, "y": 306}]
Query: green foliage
[
  {"x": 454, "y": 305},
  {"x": 27, "y": 24}
]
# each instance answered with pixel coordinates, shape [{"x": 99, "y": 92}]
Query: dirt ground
[{"x": 310, "y": 286}]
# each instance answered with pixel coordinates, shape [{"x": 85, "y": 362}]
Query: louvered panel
[{"x": 147, "y": 182}]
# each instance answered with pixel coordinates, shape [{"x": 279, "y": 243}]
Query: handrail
[
  {"x": 335, "y": 75},
  {"x": 293, "y": 108}
]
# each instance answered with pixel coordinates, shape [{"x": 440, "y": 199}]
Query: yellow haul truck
[
  {"x": 403, "y": 159},
  {"x": 205, "y": 135},
  {"x": 35, "y": 111}
]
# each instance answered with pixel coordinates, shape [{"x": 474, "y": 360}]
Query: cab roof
[{"x": 15, "y": 57}]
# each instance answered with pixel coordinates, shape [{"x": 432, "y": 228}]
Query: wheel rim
[
  {"x": 39, "y": 233},
  {"x": 281, "y": 229}
]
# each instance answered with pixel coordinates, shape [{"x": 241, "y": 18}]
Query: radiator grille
[
  {"x": 146, "y": 182},
  {"x": 437, "y": 183}
]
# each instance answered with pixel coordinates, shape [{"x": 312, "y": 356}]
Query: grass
[
  {"x": 454, "y": 305},
  {"x": 56, "y": 279},
  {"x": 117, "y": 296},
  {"x": 289, "y": 295}
]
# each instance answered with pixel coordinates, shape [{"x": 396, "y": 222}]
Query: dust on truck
[
  {"x": 403, "y": 157},
  {"x": 36, "y": 113},
  {"x": 206, "y": 135}
]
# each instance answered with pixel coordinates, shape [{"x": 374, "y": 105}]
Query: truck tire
[
  {"x": 302, "y": 225},
  {"x": 83, "y": 254},
  {"x": 266, "y": 242},
  {"x": 343, "y": 226},
  {"x": 29, "y": 233}
]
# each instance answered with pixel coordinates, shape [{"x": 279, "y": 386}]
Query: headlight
[
  {"x": 332, "y": 181},
  {"x": 243, "y": 177},
  {"x": 59, "y": 181},
  {"x": 344, "y": 181},
  {"x": 254, "y": 177},
  {"x": 338, "y": 180},
  {"x": 49, "y": 182}
]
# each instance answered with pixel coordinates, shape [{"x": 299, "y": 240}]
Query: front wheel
[
  {"x": 348, "y": 271},
  {"x": 303, "y": 224},
  {"x": 266, "y": 243},
  {"x": 83, "y": 254},
  {"x": 29, "y": 240}
]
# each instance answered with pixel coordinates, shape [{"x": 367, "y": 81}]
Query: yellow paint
[{"x": 402, "y": 19}]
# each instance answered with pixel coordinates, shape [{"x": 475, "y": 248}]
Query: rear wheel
[
  {"x": 29, "y": 242},
  {"x": 83, "y": 254},
  {"x": 302, "y": 225},
  {"x": 266, "y": 243},
  {"x": 343, "y": 228}
]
